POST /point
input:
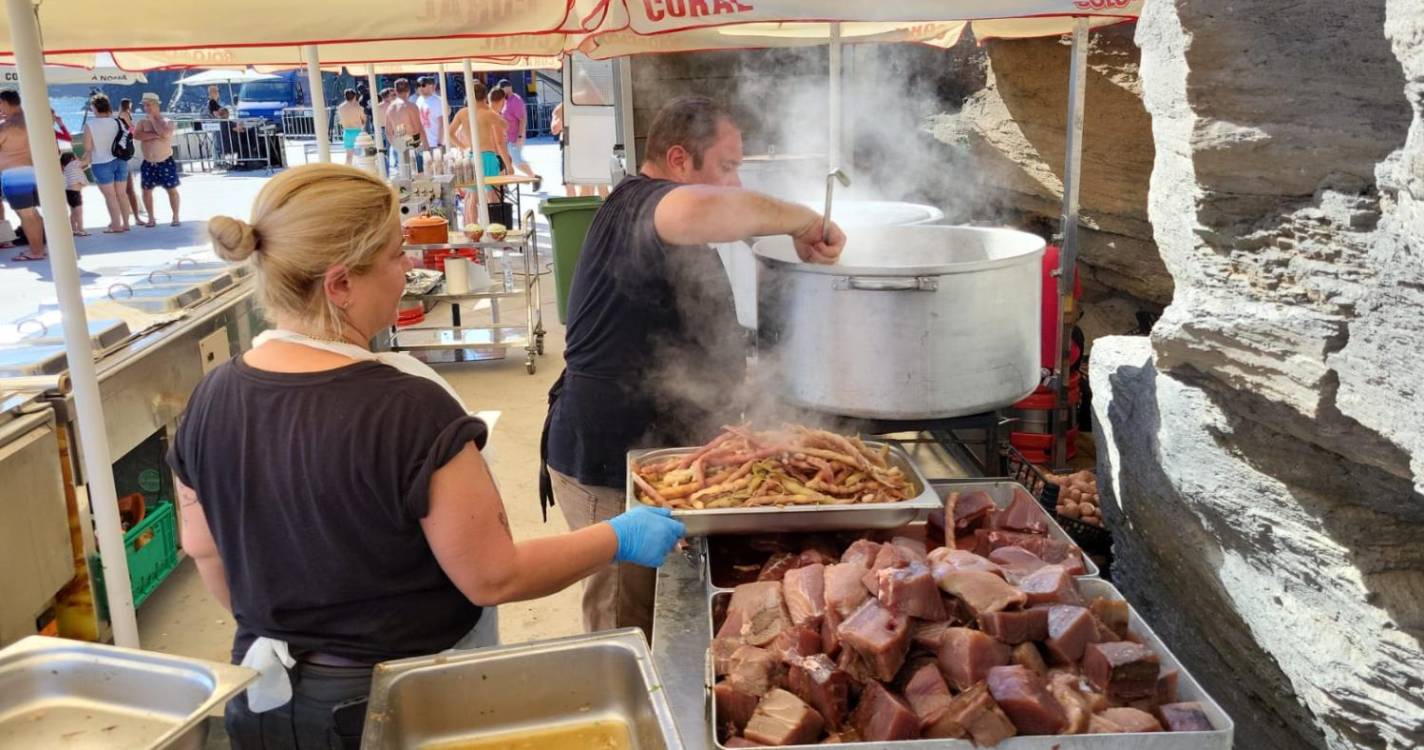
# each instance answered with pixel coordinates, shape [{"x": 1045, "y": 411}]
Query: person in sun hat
[{"x": 155, "y": 136}]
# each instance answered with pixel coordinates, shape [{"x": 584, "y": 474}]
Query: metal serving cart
[{"x": 466, "y": 343}]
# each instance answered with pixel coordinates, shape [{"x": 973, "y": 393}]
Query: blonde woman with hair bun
[{"x": 335, "y": 500}]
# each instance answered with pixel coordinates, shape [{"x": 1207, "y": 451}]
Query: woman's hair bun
[{"x": 233, "y": 239}]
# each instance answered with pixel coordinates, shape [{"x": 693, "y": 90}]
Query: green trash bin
[{"x": 568, "y": 223}]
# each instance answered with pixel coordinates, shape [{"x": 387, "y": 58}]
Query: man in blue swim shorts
[
  {"x": 17, "y": 174},
  {"x": 155, "y": 136}
]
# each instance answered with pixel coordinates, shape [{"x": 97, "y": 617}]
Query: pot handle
[{"x": 887, "y": 283}]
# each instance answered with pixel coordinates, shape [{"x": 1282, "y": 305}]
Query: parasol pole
[
  {"x": 320, "y": 123},
  {"x": 1068, "y": 253},
  {"x": 481, "y": 208},
  {"x": 376, "y": 118},
  {"x": 94, "y": 440},
  {"x": 833, "y": 139}
]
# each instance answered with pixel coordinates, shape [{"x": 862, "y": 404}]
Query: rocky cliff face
[
  {"x": 1265, "y": 445},
  {"x": 1015, "y": 126}
]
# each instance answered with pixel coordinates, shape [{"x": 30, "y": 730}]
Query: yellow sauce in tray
[{"x": 603, "y": 734}]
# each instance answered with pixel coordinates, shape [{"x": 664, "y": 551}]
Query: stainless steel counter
[
  {"x": 680, "y": 642},
  {"x": 146, "y": 383}
]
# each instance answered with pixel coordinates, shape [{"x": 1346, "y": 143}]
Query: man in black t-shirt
[{"x": 654, "y": 356}]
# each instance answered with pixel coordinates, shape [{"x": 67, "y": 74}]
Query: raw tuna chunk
[
  {"x": 795, "y": 642},
  {"x": 1167, "y": 681},
  {"x": 762, "y": 611},
  {"x": 1122, "y": 721},
  {"x": 753, "y": 670},
  {"x": 957, "y": 559},
  {"x": 804, "y": 590},
  {"x": 983, "y": 592},
  {"x": 818, "y": 553},
  {"x": 841, "y": 738},
  {"x": 740, "y": 742},
  {"x": 844, "y": 593},
  {"x": 1023, "y": 514},
  {"x": 731, "y": 627},
  {"x": 1017, "y": 626},
  {"x": 1184, "y": 717},
  {"x": 722, "y": 650},
  {"x": 817, "y": 680},
  {"x": 928, "y": 695},
  {"x": 1126, "y": 671},
  {"x": 895, "y": 556},
  {"x": 1024, "y": 696},
  {"x": 1112, "y": 613},
  {"x": 851, "y": 662},
  {"x": 910, "y": 590},
  {"x": 970, "y": 508},
  {"x": 783, "y": 719},
  {"x": 880, "y": 636},
  {"x": 1015, "y": 562},
  {"x": 975, "y": 710},
  {"x": 734, "y": 706},
  {"x": 1064, "y": 686},
  {"x": 1051, "y": 584},
  {"x": 915, "y": 546},
  {"x": 1070, "y": 630},
  {"x": 861, "y": 552},
  {"x": 882, "y": 716},
  {"x": 966, "y": 656},
  {"x": 775, "y": 567},
  {"x": 927, "y": 635},
  {"x": 1027, "y": 655}
]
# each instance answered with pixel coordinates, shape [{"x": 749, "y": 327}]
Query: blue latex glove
[{"x": 646, "y": 535}]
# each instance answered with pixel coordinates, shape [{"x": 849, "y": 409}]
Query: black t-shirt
[
  {"x": 654, "y": 356},
  {"x": 213, "y": 107},
  {"x": 314, "y": 485}
]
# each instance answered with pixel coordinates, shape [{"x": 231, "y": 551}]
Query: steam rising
[{"x": 890, "y": 95}]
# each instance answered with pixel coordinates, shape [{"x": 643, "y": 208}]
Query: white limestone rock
[{"x": 1250, "y": 555}]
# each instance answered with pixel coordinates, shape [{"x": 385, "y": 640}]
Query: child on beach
[{"x": 74, "y": 182}]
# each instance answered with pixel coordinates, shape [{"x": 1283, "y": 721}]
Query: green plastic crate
[{"x": 150, "y": 563}]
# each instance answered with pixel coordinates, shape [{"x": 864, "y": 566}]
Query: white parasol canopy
[{"x": 209, "y": 77}]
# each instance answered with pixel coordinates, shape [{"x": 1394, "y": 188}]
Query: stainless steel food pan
[
  {"x": 61, "y": 693},
  {"x": 1002, "y": 491},
  {"x": 435, "y": 701},
  {"x": 1188, "y": 689},
  {"x": 803, "y": 517}
]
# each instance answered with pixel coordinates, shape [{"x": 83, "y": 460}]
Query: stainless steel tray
[
  {"x": 1188, "y": 689},
  {"x": 44, "y": 329},
  {"x": 803, "y": 517},
  {"x": 62, "y": 693},
  {"x": 434, "y": 701},
  {"x": 26, "y": 359},
  {"x": 1002, "y": 491}
]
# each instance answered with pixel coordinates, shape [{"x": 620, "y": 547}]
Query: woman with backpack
[{"x": 108, "y": 142}]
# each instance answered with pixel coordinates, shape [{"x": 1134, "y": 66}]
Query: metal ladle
[{"x": 835, "y": 175}]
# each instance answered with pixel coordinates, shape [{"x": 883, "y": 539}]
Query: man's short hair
[
  {"x": 387, "y": 93},
  {"x": 101, "y": 104},
  {"x": 10, "y": 97},
  {"x": 125, "y": 104},
  {"x": 223, "y": 112},
  {"x": 688, "y": 121},
  {"x": 496, "y": 96},
  {"x": 478, "y": 91},
  {"x": 350, "y": 95},
  {"x": 424, "y": 81},
  {"x": 402, "y": 86}
]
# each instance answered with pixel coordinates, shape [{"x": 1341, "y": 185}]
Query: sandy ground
[{"x": 180, "y": 617}]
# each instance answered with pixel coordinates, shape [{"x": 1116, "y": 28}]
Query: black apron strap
[{"x": 546, "y": 484}]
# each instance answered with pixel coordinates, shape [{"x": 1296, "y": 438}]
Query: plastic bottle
[{"x": 508, "y": 271}]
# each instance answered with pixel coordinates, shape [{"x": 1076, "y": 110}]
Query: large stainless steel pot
[{"x": 915, "y": 322}]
